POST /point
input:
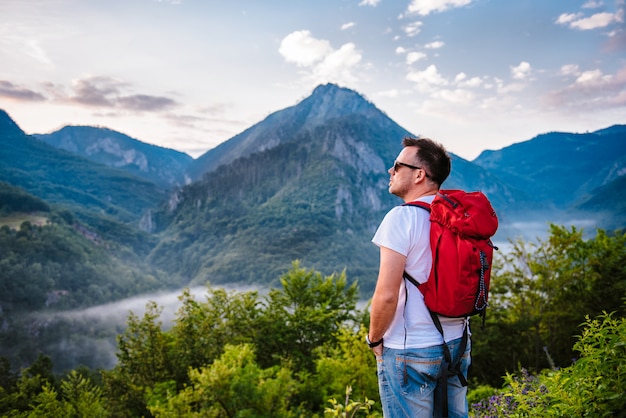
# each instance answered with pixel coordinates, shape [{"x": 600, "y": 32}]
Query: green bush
[{"x": 593, "y": 386}]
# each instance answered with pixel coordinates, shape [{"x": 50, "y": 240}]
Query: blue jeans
[{"x": 407, "y": 381}]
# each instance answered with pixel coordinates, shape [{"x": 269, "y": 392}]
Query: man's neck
[{"x": 411, "y": 197}]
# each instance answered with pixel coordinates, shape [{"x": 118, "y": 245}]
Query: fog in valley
[
  {"x": 88, "y": 337},
  {"x": 538, "y": 228}
]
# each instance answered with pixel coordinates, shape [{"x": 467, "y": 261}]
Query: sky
[{"x": 190, "y": 74}]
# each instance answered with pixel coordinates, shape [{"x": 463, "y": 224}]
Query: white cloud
[
  {"x": 457, "y": 96},
  {"x": 400, "y": 50},
  {"x": 598, "y": 20},
  {"x": 474, "y": 82},
  {"x": 373, "y": 3},
  {"x": 592, "y": 78},
  {"x": 413, "y": 29},
  {"x": 348, "y": 25},
  {"x": 570, "y": 69},
  {"x": 413, "y": 57},
  {"x": 324, "y": 64},
  {"x": 425, "y": 7},
  {"x": 24, "y": 44},
  {"x": 592, "y": 89},
  {"x": 35, "y": 50},
  {"x": 426, "y": 80},
  {"x": 522, "y": 71},
  {"x": 509, "y": 88},
  {"x": 338, "y": 65},
  {"x": 592, "y": 4},
  {"x": 566, "y": 18},
  {"x": 434, "y": 45},
  {"x": 462, "y": 81},
  {"x": 303, "y": 49}
]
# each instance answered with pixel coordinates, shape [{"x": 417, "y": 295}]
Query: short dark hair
[{"x": 432, "y": 156}]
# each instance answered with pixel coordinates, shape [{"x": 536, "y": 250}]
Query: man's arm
[{"x": 385, "y": 297}]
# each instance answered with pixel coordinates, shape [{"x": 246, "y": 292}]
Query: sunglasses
[{"x": 398, "y": 164}]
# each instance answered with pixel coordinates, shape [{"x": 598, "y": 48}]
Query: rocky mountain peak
[{"x": 329, "y": 101}]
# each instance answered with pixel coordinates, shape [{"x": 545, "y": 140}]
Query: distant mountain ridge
[
  {"x": 561, "y": 168},
  {"x": 162, "y": 166},
  {"x": 61, "y": 177}
]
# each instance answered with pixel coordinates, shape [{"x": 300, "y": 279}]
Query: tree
[
  {"x": 349, "y": 363},
  {"x": 32, "y": 382},
  {"x": 79, "y": 398},
  {"x": 82, "y": 397},
  {"x": 143, "y": 361},
  {"x": 202, "y": 329},
  {"x": 233, "y": 386},
  {"x": 305, "y": 314},
  {"x": 540, "y": 295}
]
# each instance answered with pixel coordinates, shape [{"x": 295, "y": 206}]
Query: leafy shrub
[{"x": 593, "y": 386}]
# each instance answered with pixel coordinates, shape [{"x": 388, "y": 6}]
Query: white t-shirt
[{"x": 406, "y": 229}]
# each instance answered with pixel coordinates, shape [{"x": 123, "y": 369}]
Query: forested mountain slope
[{"x": 62, "y": 177}]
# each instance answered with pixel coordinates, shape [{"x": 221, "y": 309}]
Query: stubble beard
[{"x": 396, "y": 191}]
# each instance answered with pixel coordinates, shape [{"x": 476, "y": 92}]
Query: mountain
[
  {"x": 61, "y": 177},
  {"x": 608, "y": 203},
  {"x": 327, "y": 102},
  {"x": 162, "y": 166},
  {"x": 330, "y": 103},
  {"x": 308, "y": 183},
  {"x": 559, "y": 169},
  {"x": 8, "y": 127}
]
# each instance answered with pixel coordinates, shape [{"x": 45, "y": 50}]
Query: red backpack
[
  {"x": 462, "y": 224},
  {"x": 461, "y": 227}
]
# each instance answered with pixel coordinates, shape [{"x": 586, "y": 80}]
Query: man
[{"x": 408, "y": 347}]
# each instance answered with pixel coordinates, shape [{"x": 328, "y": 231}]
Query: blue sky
[{"x": 189, "y": 74}]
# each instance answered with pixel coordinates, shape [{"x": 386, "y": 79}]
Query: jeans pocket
[{"x": 418, "y": 374}]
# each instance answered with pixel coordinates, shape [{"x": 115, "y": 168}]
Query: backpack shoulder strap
[
  {"x": 425, "y": 206},
  {"x": 419, "y": 204}
]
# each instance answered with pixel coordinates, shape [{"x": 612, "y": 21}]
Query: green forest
[
  {"x": 52, "y": 258},
  {"x": 554, "y": 344}
]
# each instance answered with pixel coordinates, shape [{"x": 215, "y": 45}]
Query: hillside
[
  {"x": 52, "y": 260},
  {"x": 161, "y": 166},
  {"x": 560, "y": 168},
  {"x": 609, "y": 201},
  {"x": 61, "y": 177}
]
